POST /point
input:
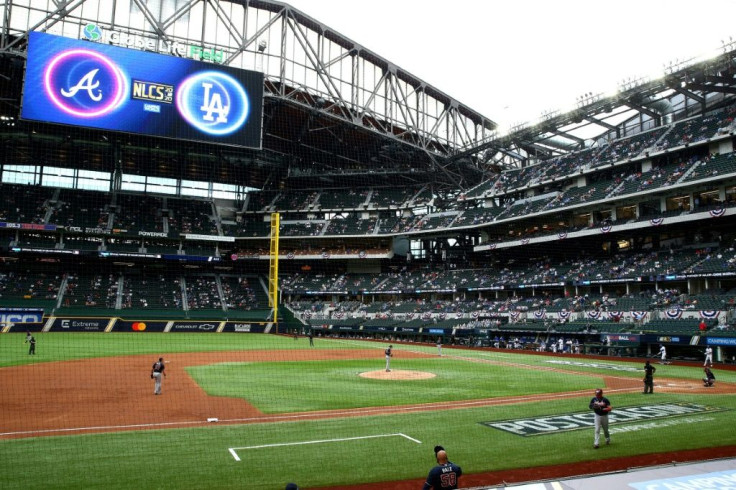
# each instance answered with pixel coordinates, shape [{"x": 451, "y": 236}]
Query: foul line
[{"x": 233, "y": 450}]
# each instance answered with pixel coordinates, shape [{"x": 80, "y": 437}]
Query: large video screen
[{"x": 84, "y": 83}]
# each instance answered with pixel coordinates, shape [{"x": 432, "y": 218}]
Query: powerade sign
[
  {"x": 583, "y": 420},
  {"x": 20, "y": 315},
  {"x": 106, "y": 87}
]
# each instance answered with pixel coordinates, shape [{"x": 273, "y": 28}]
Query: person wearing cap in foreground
[
  {"x": 445, "y": 474},
  {"x": 602, "y": 407}
]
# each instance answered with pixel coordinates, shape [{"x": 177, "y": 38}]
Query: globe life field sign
[{"x": 81, "y": 83}]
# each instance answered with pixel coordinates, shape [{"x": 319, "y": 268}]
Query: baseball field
[{"x": 258, "y": 411}]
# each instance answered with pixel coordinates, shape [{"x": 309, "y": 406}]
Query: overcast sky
[{"x": 511, "y": 60}]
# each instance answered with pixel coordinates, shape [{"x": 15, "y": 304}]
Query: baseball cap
[
  {"x": 599, "y": 391},
  {"x": 438, "y": 449},
  {"x": 291, "y": 486}
]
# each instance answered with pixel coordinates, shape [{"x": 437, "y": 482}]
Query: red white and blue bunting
[
  {"x": 673, "y": 314},
  {"x": 709, "y": 314},
  {"x": 540, "y": 314},
  {"x": 717, "y": 213},
  {"x": 639, "y": 315},
  {"x": 564, "y": 314},
  {"x": 656, "y": 221}
]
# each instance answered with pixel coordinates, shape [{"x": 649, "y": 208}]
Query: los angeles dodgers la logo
[
  {"x": 213, "y": 102},
  {"x": 84, "y": 83}
]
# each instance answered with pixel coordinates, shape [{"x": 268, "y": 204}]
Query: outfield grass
[
  {"x": 199, "y": 457},
  {"x": 65, "y": 346}
]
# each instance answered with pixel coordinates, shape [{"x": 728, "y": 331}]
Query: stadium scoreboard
[{"x": 81, "y": 83}]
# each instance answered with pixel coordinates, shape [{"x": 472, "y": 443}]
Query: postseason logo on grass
[
  {"x": 563, "y": 423},
  {"x": 596, "y": 365}
]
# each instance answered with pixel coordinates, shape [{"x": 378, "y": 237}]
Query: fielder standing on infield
[
  {"x": 389, "y": 355},
  {"x": 157, "y": 374},
  {"x": 601, "y": 406}
]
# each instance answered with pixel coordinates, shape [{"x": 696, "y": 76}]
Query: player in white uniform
[
  {"x": 389, "y": 355},
  {"x": 663, "y": 355},
  {"x": 708, "y": 357}
]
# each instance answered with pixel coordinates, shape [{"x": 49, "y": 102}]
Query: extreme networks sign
[
  {"x": 582, "y": 420},
  {"x": 93, "y": 32},
  {"x": 81, "y": 324}
]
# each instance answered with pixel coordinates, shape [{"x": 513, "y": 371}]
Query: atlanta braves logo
[
  {"x": 84, "y": 83},
  {"x": 87, "y": 83}
]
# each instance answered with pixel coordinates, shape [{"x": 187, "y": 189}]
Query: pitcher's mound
[{"x": 397, "y": 374}]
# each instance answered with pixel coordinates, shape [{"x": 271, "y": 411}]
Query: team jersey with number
[{"x": 443, "y": 476}]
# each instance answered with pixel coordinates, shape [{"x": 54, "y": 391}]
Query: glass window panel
[
  {"x": 19, "y": 177},
  {"x": 132, "y": 182},
  {"x": 160, "y": 185}
]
